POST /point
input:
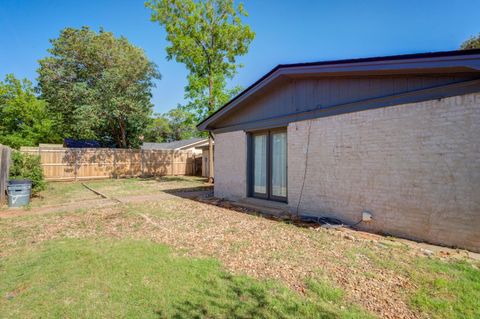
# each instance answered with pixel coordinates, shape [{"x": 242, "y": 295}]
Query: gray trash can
[{"x": 19, "y": 192}]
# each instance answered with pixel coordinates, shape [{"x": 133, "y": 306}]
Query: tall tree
[
  {"x": 207, "y": 36},
  {"x": 472, "y": 43},
  {"x": 24, "y": 119},
  {"x": 98, "y": 85}
]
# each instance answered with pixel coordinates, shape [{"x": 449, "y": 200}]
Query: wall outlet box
[{"x": 366, "y": 216}]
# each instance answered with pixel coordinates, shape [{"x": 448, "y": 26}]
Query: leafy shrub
[{"x": 25, "y": 166}]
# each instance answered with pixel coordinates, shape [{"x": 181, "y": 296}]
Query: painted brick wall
[
  {"x": 230, "y": 165},
  {"x": 415, "y": 167}
]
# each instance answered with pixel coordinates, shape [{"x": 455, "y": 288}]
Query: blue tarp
[{"x": 70, "y": 142}]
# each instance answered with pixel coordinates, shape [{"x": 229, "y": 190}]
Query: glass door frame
[{"x": 251, "y": 165}]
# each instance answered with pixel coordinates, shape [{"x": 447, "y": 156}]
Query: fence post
[
  {"x": 141, "y": 164},
  {"x": 132, "y": 172},
  {"x": 4, "y": 171},
  {"x": 75, "y": 167},
  {"x": 114, "y": 163}
]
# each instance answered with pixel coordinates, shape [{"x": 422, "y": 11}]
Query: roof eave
[{"x": 468, "y": 60}]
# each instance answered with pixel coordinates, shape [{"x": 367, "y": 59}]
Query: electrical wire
[{"x": 306, "y": 165}]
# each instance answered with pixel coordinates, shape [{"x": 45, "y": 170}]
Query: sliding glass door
[
  {"x": 279, "y": 164},
  {"x": 268, "y": 162},
  {"x": 260, "y": 165}
]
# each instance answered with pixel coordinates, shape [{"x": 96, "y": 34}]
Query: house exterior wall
[
  {"x": 230, "y": 165},
  {"x": 415, "y": 167}
]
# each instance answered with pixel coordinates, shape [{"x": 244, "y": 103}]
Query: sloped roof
[
  {"x": 175, "y": 145},
  {"x": 456, "y": 60}
]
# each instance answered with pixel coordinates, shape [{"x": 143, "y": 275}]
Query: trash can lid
[{"x": 19, "y": 181}]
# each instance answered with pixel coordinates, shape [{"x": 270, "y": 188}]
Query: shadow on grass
[
  {"x": 140, "y": 279},
  {"x": 244, "y": 298}
]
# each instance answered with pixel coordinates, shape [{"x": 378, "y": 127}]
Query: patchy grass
[
  {"x": 444, "y": 288},
  {"x": 115, "y": 261},
  {"x": 62, "y": 193},
  {"x": 447, "y": 289},
  {"x": 58, "y": 193},
  {"x": 138, "y": 186},
  {"x": 126, "y": 279}
]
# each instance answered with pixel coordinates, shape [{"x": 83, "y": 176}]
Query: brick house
[{"x": 397, "y": 137}]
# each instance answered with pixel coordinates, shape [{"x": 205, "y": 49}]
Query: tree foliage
[
  {"x": 26, "y": 166},
  {"x": 207, "y": 36},
  {"x": 98, "y": 85},
  {"x": 472, "y": 43},
  {"x": 177, "y": 124},
  {"x": 24, "y": 120}
]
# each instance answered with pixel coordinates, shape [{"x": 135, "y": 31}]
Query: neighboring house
[
  {"x": 398, "y": 137},
  {"x": 198, "y": 146},
  {"x": 183, "y": 145}
]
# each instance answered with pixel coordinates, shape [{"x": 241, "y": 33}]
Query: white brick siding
[
  {"x": 416, "y": 167},
  {"x": 230, "y": 165}
]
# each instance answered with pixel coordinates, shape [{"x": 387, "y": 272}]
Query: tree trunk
[
  {"x": 210, "y": 136},
  {"x": 123, "y": 134}
]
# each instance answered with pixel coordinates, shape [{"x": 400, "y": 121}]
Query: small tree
[
  {"x": 207, "y": 36},
  {"x": 177, "y": 124},
  {"x": 472, "y": 43},
  {"x": 182, "y": 124},
  {"x": 25, "y": 166},
  {"x": 158, "y": 130}
]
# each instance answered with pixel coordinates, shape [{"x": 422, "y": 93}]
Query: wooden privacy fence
[
  {"x": 4, "y": 170},
  {"x": 67, "y": 164}
]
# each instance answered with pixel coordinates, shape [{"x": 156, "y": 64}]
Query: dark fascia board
[
  {"x": 437, "y": 92},
  {"x": 409, "y": 63}
]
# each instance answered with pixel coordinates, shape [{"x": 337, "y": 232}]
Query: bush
[{"x": 25, "y": 166}]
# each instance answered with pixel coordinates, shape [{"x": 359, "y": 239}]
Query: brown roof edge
[{"x": 454, "y": 53}]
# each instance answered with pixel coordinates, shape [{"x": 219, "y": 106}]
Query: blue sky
[{"x": 286, "y": 32}]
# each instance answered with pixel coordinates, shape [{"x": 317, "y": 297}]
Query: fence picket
[{"x": 90, "y": 163}]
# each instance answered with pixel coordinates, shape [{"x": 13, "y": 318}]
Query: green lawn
[
  {"x": 74, "y": 278},
  {"x": 447, "y": 290}
]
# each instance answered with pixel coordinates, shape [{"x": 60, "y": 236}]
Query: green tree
[
  {"x": 158, "y": 130},
  {"x": 24, "y": 120},
  {"x": 182, "y": 123},
  {"x": 207, "y": 36},
  {"x": 177, "y": 124},
  {"x": 98, "y": 85},
  {"x": 472, "y": 43}
]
